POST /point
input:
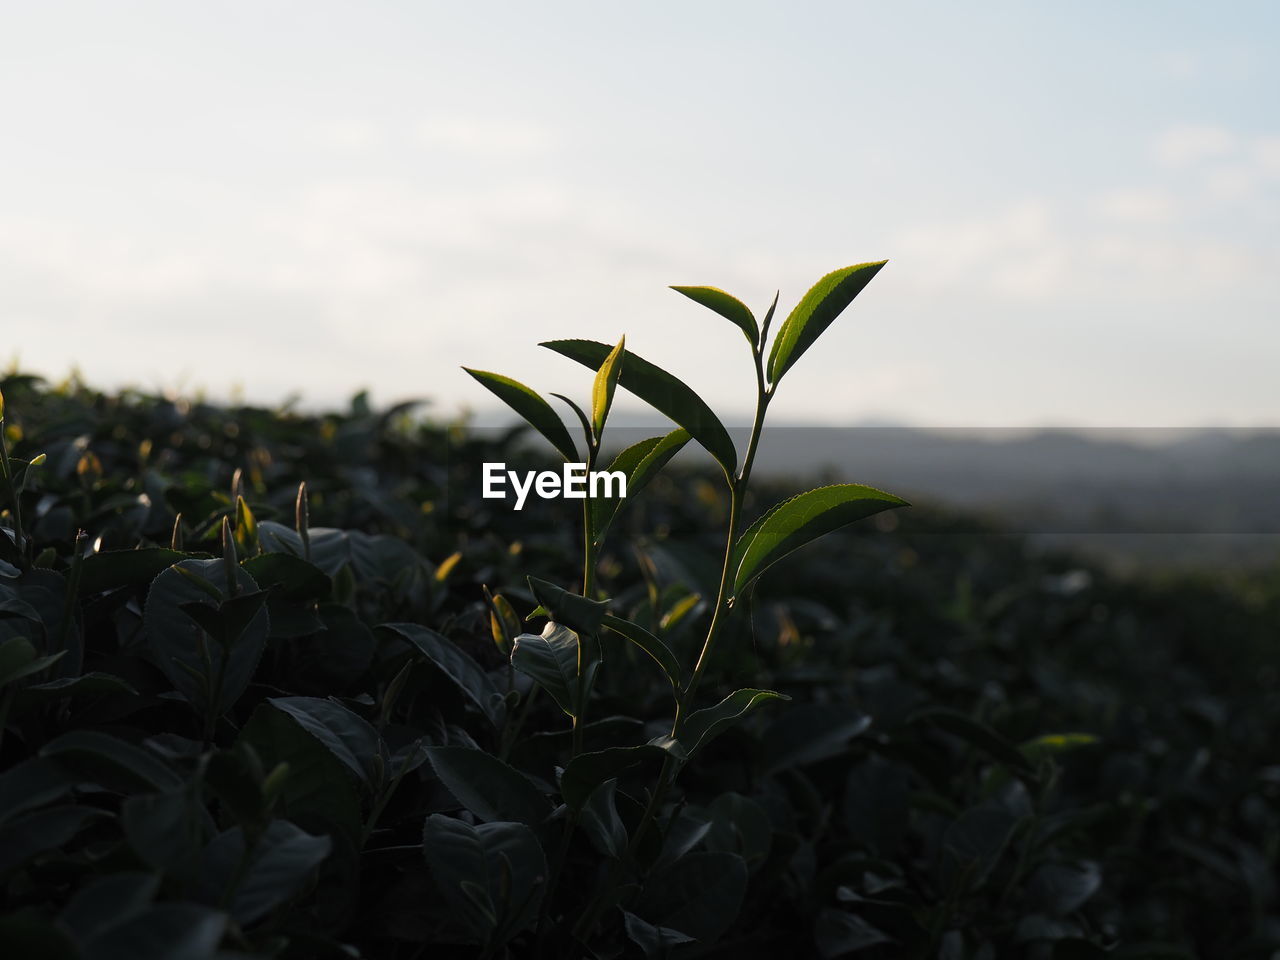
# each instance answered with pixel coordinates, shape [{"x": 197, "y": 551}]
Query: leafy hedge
[{"x": 240, "y": 724}]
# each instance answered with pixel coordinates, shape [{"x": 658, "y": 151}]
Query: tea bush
[{"x": 297, "y": 690}]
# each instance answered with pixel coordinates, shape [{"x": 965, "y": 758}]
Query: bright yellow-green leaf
[{"x": 606, "y": 382}]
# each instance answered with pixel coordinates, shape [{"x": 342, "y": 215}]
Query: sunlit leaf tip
[{"x": 605, "y": 383}]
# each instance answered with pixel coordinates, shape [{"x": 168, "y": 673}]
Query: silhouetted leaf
[
  {"x": 839, "y": 934},
  {"x": 532, "y": 408},
  {"x": 650, "y": 644},
  {"x": 276, "y": 869},
  {"x": 349, "y": 737},
  {"x": 699, "y": 895},
  {"x": 663, "y": 392},
  {"x": 728, "y": 306},
  {"x": 571, "y": 609},
  {"x": 457, "y": 665},
  {"x": 601, "y": 823},
  {"x": 587, "y": 771},
  {"x": 502, "y": 864},
  {"x": 640, "y": 463},
  {"x": 487, "y": 787},
  {"x": 176, "y": 641},
  {"x": 705, "y": 725}
]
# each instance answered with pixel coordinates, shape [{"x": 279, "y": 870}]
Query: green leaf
[
  {"x": 699, "y": 895},
  {"x": 115, "y": 568},
  {"x": 1062, "y": 888},
  {"x": 111, "y": 761},
  {"x": 973, "y": 844},
  {"x": 650, "y": 644},
  {"x": 487, "y": 787},
  {"x": 551, "y": 661},
  {"x": 663, "y": 392},
  {"x": 640, "y": 463},
  {"x": 808, "y": 733},
  {"x": 571, "y": 609},
  {"x": 176, "y": 640},
  {"x": 839, "y": 934},
  {"x": 278, "y": 867},
  {"x": 457, "y": 665},
  {"x": 165, "y": 931},
  {"x": 975, "y": 734},
  {"x": 86, "y": 684},
  {"x": 350, "y": 738},
  {"x": 601, "y": 823},
  {"x": 587, "y": 771},
  {"x": 1051, "y": 744},
  {"x": 740, "y": 825},
  {"x": 246, "y": 532},
  {"x": 728, "y": 306},
  {"x": 502, "y": 864},
  {"x": 33, "y": 783},
  {"x": 815, "y": 312},
  {"x": 44, "y": 830},
  {"x": 18, "y": 659},
  {"x": 653, "y": 941},
  {"x": 292, "y": 577},
  {"x": 605, "y": 383},
  {"x": 705, "y": 725},
  {"x": 588, "y": 437},
  {"x": 532, "y": 408},
  {"x": 793, "y": 523},
  {"x": 106, "y": 901},
  {"x": 319, "y": 793}
]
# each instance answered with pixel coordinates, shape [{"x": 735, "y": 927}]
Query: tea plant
[{"x": 565, "y": 658}]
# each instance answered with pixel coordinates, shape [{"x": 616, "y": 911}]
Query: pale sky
[{"x": 1080, "y": 202}]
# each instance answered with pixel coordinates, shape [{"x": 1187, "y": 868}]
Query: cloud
[
  {"x": 487, "y": 137},
  {"x": 1187, "y": 145},
  {"x": 1137, "y": 205}
]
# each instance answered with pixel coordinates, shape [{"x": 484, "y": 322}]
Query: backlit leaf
[
  {"x": 662, "y": 391},
  {"x": 532, "y": 408},
  {"x": 728, "y": 306},
  {"x": 795, "y": 522},
  {"x": 551, "y": 661},
  {"x": 815, "y": 312}
]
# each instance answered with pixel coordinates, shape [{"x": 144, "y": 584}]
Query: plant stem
[
  {"x": 737, "y": 492},
  {"x": 588, "y": 591}
]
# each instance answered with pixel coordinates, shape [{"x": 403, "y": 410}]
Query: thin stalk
[
  {"x": 737, "y": 492},
  {"x": 589, "y": 560},
  {"x": 670, "y": 767}
]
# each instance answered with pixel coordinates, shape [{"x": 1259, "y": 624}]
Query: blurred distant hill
[
  {"x": 1176, "y": 495},
  {"x": 1183, "y": 497}
]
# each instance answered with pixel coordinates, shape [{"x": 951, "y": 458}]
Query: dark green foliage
[{"x": 987, "y": 752}]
